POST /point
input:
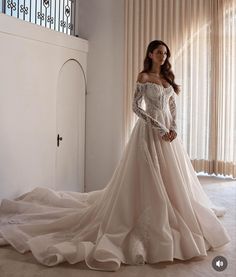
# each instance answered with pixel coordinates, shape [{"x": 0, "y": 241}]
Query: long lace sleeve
[
  {"x": 136, "y": 106},
  {"x": 172, "y": 104}
]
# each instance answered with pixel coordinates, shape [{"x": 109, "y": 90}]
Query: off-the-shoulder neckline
[{"x": 153, "y": 84}]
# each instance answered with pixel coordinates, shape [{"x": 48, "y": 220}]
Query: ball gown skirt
[{"x": 153, "y": 208}]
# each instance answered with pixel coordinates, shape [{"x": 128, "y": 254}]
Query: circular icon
[{"x": 219, "y": 263}]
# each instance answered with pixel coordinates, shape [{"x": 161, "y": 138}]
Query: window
[{"x": 58, "y": 15}]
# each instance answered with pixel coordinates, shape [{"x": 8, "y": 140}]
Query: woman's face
[{"x": 159, "y": 55}]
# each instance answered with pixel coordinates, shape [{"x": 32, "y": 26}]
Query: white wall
[
  {"x": 31, "y": 58},
  {"x": 101, "y": 22}
]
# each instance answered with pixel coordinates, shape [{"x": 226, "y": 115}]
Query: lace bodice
[{"x": 160, "y": 101}]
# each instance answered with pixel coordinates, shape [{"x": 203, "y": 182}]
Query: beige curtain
[{"x": 201, "y": 35}]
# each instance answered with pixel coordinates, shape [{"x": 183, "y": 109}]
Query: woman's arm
[{"x": 172, "y": 105}]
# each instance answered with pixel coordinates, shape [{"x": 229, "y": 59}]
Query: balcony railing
[{"x": 58, "y": 15}]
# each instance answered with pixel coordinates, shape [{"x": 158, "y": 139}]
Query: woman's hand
[
  {"x": 166, "y": 137},
  {"x": 172, "y": 135}
]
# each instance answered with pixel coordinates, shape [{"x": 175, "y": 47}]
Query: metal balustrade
[{"x": 58, "y": 15}]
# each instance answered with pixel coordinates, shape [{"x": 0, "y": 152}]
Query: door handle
[{"x": 58, "y": 140}]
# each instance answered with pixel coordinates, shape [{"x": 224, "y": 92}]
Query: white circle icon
[{"x": 219, "y": 263}]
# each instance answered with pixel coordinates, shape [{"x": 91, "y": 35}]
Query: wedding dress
[{"x": 153, "y": 208}]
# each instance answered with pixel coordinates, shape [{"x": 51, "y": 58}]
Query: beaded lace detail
[
  {"x": 156, "y": 103},
  {"x": 172, "y": 104}
]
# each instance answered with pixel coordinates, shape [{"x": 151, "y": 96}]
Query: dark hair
[{"x": 165, "y": 68}]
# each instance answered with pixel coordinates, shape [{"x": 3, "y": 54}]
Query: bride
[{"x": 153, "y": 209}]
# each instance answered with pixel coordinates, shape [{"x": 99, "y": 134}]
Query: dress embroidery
[
  {"x": 172, "y": 104},
  {"x": 161, "y": 102}
]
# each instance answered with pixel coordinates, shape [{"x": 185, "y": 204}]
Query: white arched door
[{"x": 70, "y": 128}]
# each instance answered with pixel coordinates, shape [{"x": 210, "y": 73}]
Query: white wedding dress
[{"x": 153, "y": 208}]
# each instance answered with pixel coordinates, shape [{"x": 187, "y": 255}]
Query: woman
[{"x": 153, "y": 209}]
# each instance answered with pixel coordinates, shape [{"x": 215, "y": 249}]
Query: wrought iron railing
[{"x": 58, "y": 15}]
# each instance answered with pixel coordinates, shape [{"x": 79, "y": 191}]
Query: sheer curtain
[{"x": 201, "y": 35}]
